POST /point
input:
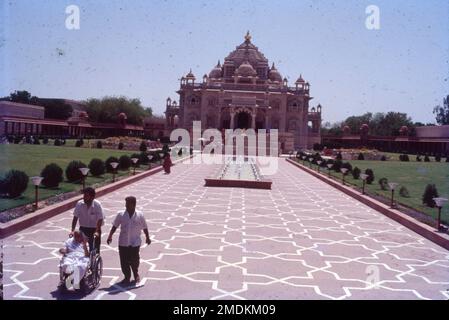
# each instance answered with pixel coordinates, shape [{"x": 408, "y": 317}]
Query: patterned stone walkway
[{"x": 301, "y": 240}]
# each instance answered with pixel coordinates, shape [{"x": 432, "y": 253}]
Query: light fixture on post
[
  {"x": 393, "y": 186},
  {"x": 364, "y": 176},
  {"x": 303, "y": 160},
  {"x": 36, "y": 182},
  {"x": 114, "y": 166},
  {"x": 134, "y": 161},
  {"x": 150, "y": 157},
  {"x": 84, "y": 172},
  {"x": 161, "y": 156},
  {"x": 343, "y": 174},
  {"x": 439, "y": 202},
  {"x": 310, "y": 162},
  {"x": 329, "y": 167},
  {"x": 319, "y": 164}
]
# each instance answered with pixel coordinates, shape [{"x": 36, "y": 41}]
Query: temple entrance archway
[{"x": 243, "y": 120}]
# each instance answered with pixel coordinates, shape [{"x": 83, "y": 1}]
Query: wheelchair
[{"x": 91, "y": 279}]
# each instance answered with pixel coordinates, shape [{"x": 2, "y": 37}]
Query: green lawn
[
  {"x": 413, "y": 175},
  {"x": 33, "y": 158}
]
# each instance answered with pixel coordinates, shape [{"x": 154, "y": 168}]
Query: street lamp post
[
  {"x": 364, "y": 176},
  {"x": 114, "y": 166},
  {"x": 150, "y": 157},
  {"x": 439, "y": 202},
  {"x": 36, "y": 182},
  {"x": 319, "y": 164},
  {"x": 134, "y": 161},
  {"x": 329, "y": 166},
  {"x": 393, "y": 186},
  {"x": 84, "y": 172},
  {"x": 161, "y": 156},
  {"x": 343, "y": 173},
  {"x": 310, "y": 162},
  {"x": 303, "y": 160}
]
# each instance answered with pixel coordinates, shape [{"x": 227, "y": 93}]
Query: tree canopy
[
  {"x": 442, "y": 112},
  {"x": 380, "y": 124},
  {"x": 108, "y": 108},
  {"x": 54, "y": 108}
]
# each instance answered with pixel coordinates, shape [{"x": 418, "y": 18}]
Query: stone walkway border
[
  {"x": 26, "y": 221},
  {"x": 422, "y": 229}
]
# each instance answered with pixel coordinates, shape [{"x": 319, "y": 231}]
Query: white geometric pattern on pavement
[{"x": 301, "y": 240}]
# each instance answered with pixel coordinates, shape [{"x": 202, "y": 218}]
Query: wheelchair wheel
[{"x": 98, "y": 271}]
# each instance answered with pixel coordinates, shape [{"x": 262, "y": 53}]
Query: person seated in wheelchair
[{"x": 75, "y": 259}]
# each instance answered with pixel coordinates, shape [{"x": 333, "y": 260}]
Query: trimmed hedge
[
  {"x": 97, "y": 167},
  {"x": 72, "y": 172},
  {"x": 14, "y": 183},
  {"x": 124, "y": 162},
  {"x": 370, "y": 178},
  {"x": 429, "y": 193},
  {"x": 108, "y": 163},
  {"x": 52, "y": 175}
]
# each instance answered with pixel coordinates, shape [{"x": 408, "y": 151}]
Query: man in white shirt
[
  {"x": 90, "y": 215},
  {"x": 131, "y": 224}
]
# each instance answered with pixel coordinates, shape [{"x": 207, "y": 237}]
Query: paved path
[{"x": 301, "y": 240}]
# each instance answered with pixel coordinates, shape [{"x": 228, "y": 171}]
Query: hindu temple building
[{"x": 246, "y": 92}]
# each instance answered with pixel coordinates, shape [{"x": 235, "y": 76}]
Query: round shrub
[
  {"x": 45, "y": 140},
  {"x": 36, "y": 141},
  {"x": 57, "y": 142},
  {"x": 447, "y": 159},
  {"x": 383, "y": 183},
  {"x": 72, "y": 172},
  {"x": 124, "y": 162},
  {"x": 404, "y": 157},
  {"x": 120, "y": 145},
  {"x": 383, "y": 158},
  {"x": 403, "y": 192},
  {"x": 97, "y": 167},
  {"x": 426, "y": 158},
  {"x": 79, "y": 143},
  {"x": 361, "y": 156},
  {"x": 99, "y": 144},
  {"x": 337, "y": 166},
  {"x": 370, "y": 177},
  {"x": 143, "y": 158},
  {"x": 438, "y": 158},
  {"x": 108, "y": 163},
  {"x": 14, "y": 183},
  {"x": 53, "y": 175},
  {"x": 143, "y": 146},
  {"x": 418, "y": 158},
  {"x": 348, "y": 166},
  {"x": 137, "y": 155},
  {"x": 356, "y": 173}
]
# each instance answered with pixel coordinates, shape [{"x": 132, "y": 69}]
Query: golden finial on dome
[{"x": 247, "y": 37}]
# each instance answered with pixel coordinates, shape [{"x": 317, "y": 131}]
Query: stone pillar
[
  {"x": 219, "y": 119},
  {"x": 232, "y": 113},
  {"x": 253, "y": 120},
  {"x": 266, "y": 121}
]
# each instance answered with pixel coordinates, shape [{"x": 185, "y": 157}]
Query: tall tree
[
  {"x": 442, "y": 112},
  {"x": 107, "y": 109},
  {"x": 22, "y": 96}
]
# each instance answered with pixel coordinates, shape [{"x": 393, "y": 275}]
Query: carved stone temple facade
[{"x": 245, "y": 92}]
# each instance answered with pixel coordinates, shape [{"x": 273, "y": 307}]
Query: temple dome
[
  {"x": 274, "y": 75},
  {"x": 246, "y": 70},
  {"x": 216, "y": 72},
  {"x": 246, "y": 52}
]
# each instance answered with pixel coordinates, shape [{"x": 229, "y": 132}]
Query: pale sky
[{"x": 141, "y": 48}]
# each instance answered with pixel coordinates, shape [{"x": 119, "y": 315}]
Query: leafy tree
[
  {"x": 107, "y": 110},
  {"x": 429, "y": 193},
  {"x": 442, "y": 112}
]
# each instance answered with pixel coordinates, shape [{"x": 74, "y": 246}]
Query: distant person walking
[
  {"x": 167, "y": 163},
  {"x": 89, "y": 212},
  {"x": 131, "y": 224}
]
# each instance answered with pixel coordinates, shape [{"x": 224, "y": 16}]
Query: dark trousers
[
  {"x": 129, "y": 260},
  {"x": 89, "y": 232}
]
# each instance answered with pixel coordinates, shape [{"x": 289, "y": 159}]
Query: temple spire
[{"x": 247, "y": 37}]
